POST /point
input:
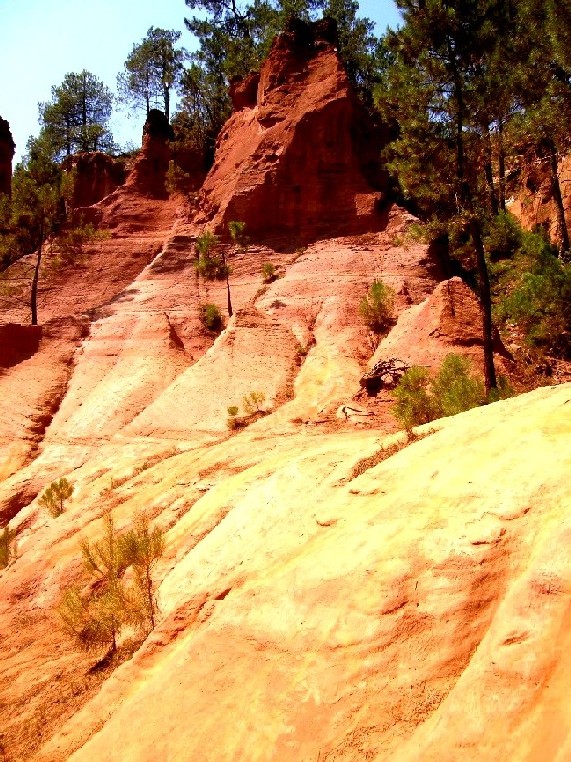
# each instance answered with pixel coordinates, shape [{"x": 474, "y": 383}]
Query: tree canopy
[
  {"x": 77, "y": 116},
  {"x": 152, "y": 70}
]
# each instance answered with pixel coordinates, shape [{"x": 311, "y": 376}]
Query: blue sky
[{"x": 42, "y": 40}]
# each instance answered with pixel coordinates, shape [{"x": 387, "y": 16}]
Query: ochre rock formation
[
  {"x": 149, "y": 172},
  {"x": 294, "y": 160},
  {"x": 312, "y": 607},
  {"x": 95, "y": 175},
  {"x": 449, "y": 320},
  {"x": 534, "y": 204},
  {"x": 7, "y": 150}
]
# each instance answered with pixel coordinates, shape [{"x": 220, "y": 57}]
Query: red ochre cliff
[{"x": 291, "y": 160}]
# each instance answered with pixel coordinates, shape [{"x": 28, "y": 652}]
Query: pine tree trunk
[
  {"x": 488, "y": 171},
  {"x": 35, "y": 281},
  {"x": 490, "y": 380},
  {"x": 501, "y": 165},
  {"x": 166, "y": 95},
  {"x": 467, "y": 204}
]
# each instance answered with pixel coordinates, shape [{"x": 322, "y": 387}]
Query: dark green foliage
[
  {"x": 152, "y": 70},
  {"x": 421, "y": 399},
  {"x": 7, "y": 536},
  {"x": 503, "y": 236},
  {"x": 535, "y": 295},
  {"x": 55, "y": 496},
  {"x": 210, "y": 317},
  {"x": 377, "y": 308},
  {"x": 76, "y": 118}
]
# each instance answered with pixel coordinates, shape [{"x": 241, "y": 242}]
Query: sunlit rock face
[{"x": 295, "y": 159}]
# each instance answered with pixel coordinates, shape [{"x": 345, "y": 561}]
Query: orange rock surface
[
  {"x": 330, "y": 589},
  {"x": 295, "y": 161}
]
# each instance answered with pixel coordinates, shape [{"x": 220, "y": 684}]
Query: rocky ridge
[{"x": 329, "y": 590}]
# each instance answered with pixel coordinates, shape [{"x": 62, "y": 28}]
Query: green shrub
[
  {"x": 539, "y": 299},
  {"x": 253, "y": 402},
  {"x": 537, "y": 296},
  {"x": 140, "y": 548},
  {"x": 237, "y": 228},
  {"x": 414, "y": 405},
  {"x": 503, "y": 236},
  {"x": 269, "y": 273},
  {"x": 377, "y": 307},
  {"x": 96, "y": 617},
  {"x": 454, "y": 389},
  {"x": 6, "y": 537},
  {"x": 55, "y": 496},
  {"x": 421, "y": 399},
  {"x": 210, "y": 317},
  {"x": 209, "y": 263}
]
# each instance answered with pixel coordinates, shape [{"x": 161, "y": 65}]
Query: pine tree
[
  {"x": 55, "y": 496},
  {"x": 97, "y": 615},
  {"x": 152, "y": 70},
  {"x": 141, "y": 548},
  {"x": 76, "y": 118},
  {"x": 445, "y": 64}
]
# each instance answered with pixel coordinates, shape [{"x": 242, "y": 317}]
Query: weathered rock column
[
  {"x": 150, "y": 170},
  {"x": 7, "y": 150}
]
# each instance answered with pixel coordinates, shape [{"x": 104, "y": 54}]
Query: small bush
[
  {"x": 209, "y": 263},
  {"x": 96, "y": 616},
  {"x": 269, "y": 273},
  {"x": 140, "y": 548},
  {"x": 414, "y": 405},
  {"x": 377, "y": 307},
  {"x": 540, "y": 304},
  {"x": 253, "y": 402},
  {"x": 232, "y": 417},
  {"x": 55, "y": 496},
  {"x": 454, "y": 389},
  {"x": 421, "y": 399},
  {"x": 210, "y": 317},
  {"x": 237, "y": 228},
  {"x": 6, "y": 537}
]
